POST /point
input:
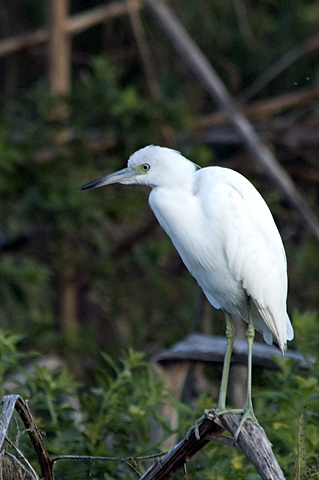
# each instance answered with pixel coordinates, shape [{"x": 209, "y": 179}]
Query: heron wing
[{"x": 252, "y": 244}]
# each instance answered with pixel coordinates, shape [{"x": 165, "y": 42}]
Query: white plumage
[{"x": 227, "y": 238}]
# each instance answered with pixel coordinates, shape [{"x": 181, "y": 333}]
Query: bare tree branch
[
  {"x": 108, "y": 459},
  {"x": 73, "y": 26},
  {"x": 264, "y": 108},
  {"x": 309, "y": 46},
  {"x": 255, "y": 444},
  {"x": 199, "y": 65},
  {"x": 148, "y": 65},
  {"x": 252, "y": 441},
  {"x": 11, "y": 402},
  {"x": 26, "y": 461}
]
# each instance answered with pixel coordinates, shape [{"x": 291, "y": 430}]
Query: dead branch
[
  {"x": 95, "y": 16},
  {"x": 295, "y": 137},
  {"x": 12, "y": 402},
  {"x": 31, "y": 470},
  {"x": 309, "y": 46},
  {"x": 252, "y": 441},
  {"x": 199, "y": 65},
  {"x": 264, "y": 108},
  {"x": 12, "y": 468},
  {"x": 21, "y": 42},
  {"x": 59, "y": 51},
  {"x": 148, "y": 66},
  {"x": 144, "y": 50},
  {"x": 256, "y": 446},
  {"x": 73, "y": 26},
  {"x": 108, "y": 459}
]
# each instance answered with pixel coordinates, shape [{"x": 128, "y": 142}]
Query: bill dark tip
[{"x": 94, "y": 184}]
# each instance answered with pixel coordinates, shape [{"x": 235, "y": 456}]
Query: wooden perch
[
  {"x": 252, "y": 441},
  {"x": 255, "y": 444},
  {"x": 202, "y": 69}
]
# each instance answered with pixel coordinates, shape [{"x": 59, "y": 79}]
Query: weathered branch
[
  {"x": 256, "y": 446},
  {"x": 252, "y": 441},
  {"x": 73, "y": 26},
  {"x": 31, "y": 472},
  {"x": 12, "y": 402},
  {"x": 264, "y": 108},
  {"x": 144, "y": 50},
  {"x": 148, "y": 66},
  {"x": 309, "y": 46},
  {"x": 199, "y": 65},
  {"x": 59, "y": 51}
]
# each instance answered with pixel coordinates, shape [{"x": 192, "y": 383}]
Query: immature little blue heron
[{"x": 227, "y": 238}]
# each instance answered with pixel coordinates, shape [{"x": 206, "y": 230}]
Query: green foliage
[
  {"x": 291, "y": 404},
  {"x": 307, "y": 327},
  {"x": 302, "y": 471},
  {"x": 47, "y": 154},
  {"x": 23, "y": 292},
  {"x": 123, "y": 407},
  {"x": 9, "y": 354},
  {"x": 119, "y": 415},
  {"x": 115, "y": 417}
]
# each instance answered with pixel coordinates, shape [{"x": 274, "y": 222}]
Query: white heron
[{"x": 227, "y": 238}]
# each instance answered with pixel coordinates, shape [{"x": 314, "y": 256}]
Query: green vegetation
[
  {"x": 73, "y": 239},
  {"x": 119, "y": 416}
]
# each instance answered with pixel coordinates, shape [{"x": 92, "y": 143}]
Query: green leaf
[{"x": 302, "y": 471}]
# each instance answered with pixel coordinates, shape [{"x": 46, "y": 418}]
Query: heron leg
[
  {"x": 230, "y": 335},
  {"x": 248, "y": 411},
  {"x": 221, "y": 406},
  {"x": 250, "y": 334}
]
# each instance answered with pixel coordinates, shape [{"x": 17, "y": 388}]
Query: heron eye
[{"x": 145, "y": 167}]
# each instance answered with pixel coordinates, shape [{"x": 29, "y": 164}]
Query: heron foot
[
  {"x": 247, "y": 412},
  {"x": 195, "y": 428}
]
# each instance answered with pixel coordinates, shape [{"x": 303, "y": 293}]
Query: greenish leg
[
  {"x": 248, "y": 411},
  {"x": 221, "y": 406},
  {"x": 230, "y": 335},
  {"x": 250, "y": 334}
]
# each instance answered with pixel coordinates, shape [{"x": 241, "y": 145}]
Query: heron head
[{"x": 153, "y": 166}]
